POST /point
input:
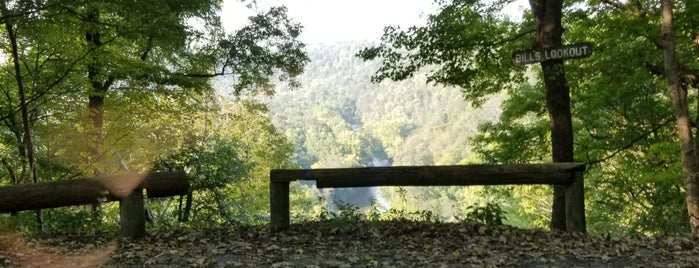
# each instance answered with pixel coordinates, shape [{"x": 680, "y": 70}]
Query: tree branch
[
  {"x": 512, "y": 38},
  {"x": 631, "y": 143},
  {"x": 149, "y": 47},
  {"x": 39, "y": 93},
  {"x": 204, "y": 75},
  {"x": 11, "y": 172}
]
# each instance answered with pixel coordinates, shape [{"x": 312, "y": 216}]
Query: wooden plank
[
  {"x": 554, "y": 173},
  {"x": 575, "y": 204},
  {"x": 279, "y": 206},
  {"x": 87, "y": 191},
  {"x": 132, "y": 218}
]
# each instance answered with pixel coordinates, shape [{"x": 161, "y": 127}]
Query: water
[{"x": 361, "y": 197}]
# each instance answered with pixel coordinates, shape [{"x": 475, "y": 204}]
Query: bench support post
[
  {"x": 575, "y": 204},
  {"x": 279, "y": 206},
  {"x": 132, "y": 215}
]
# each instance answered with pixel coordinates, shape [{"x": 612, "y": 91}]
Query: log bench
[
  {"x": 127, "y": 189},
  {"x": 568, "y": 174}
]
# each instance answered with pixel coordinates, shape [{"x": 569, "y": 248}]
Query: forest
[{"x": 99, "y": 88}]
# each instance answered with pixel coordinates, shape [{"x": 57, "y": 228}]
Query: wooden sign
[{"x": 575, "y": 51}]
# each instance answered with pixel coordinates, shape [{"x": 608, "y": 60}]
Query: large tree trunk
[
  {"x": 549, "y": 31},
  {"x": 678, "y": 96},
  {"x": 99, "y": 84}
]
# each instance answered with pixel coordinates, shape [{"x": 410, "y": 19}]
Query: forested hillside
[{"x": 339, "y": 118}]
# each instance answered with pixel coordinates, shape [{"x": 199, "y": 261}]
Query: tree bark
[
  {"x": 549, "y": 32},
  {"x": 99, "y": 84},
  {"x": 678, "y": 95},
  {"x": 96, "y": 92}
]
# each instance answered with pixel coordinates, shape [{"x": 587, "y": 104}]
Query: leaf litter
[{"x": 399, "y": 243}]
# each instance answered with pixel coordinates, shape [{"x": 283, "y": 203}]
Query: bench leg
[
  {"x": 279, "y": 206},
  {"x": 575, "y": 204},
  {"x": 132, "y": 215}
]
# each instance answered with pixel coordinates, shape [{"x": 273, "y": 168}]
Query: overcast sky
[{"x": 328, "y": 21}]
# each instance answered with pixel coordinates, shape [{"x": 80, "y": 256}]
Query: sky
[{"x": 330, "y": 21}]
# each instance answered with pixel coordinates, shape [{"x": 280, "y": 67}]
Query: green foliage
[
  {"x": 622, "y": 127},
  {"x": 211, "y": 162},
  {"x": 362, "y": 124},
  {"x": 307, "y": 203},
  {"x": 400, "y": 210},
  {"x": 340, "y": 119},
  {"x": 522, "y": 132},
  {"x": 160, "y": 57},
  {"x": 346, "y": 214},
  {"x": 72, "y": 220},
  {"x": 374, "y": 212},
  {"x": 419, "y": 215},
  {"x": 77, "y": 220},
  {"x": 621, "y": 115},
  {"x": 469, "y": 42},
  {"x": 148, "y": 65},
  {"x": 340, "y": 214},
  {"x": 229, "y": 164},
  {"x": 23, "y": 222},
  {"x": 247, "y": 201},
  {"x": 267, "y": 45},
  {"x": 161, "y": 110},
  {"x": 490, "y": 214}
]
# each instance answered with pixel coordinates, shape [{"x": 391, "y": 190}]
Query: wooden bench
[
  {"x": 127, "y": 189},
  {"x": 568, "y": 174}
]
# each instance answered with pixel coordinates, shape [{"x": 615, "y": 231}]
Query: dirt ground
[{"x": 364, "y": 244}]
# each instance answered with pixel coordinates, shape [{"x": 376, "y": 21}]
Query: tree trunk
[
  {"x": 678, "y": 96},
  {"x": 96, "y": 92},
  {"x": 549, "y": 31},
  {"x": 26, "y": 128},
  {"x": 99, "y": 84}
]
